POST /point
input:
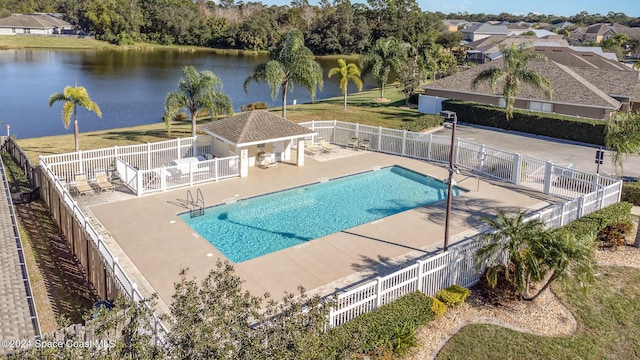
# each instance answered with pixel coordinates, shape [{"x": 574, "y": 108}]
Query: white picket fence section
[
  {"x": 143, "y": 156},
  {"x": 146, "y": 168},
  {"x": 543, "y": 176},
  {"x": 171, "y": 177},
  {"x": 456, "y": 266}
]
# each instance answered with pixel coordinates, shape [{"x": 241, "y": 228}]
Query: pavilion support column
[
  {"x": 286, "y": 155},
  {"x": 244, "y": 162},
  {"x": 300, "y": 160}
]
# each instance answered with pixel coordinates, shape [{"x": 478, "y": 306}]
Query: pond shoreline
[{"x": 11, "y": 42}]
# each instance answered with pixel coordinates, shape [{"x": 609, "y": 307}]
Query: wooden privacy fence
[
  {"x": 102, "y": 269},
  {"x": 9, "y": 145}
]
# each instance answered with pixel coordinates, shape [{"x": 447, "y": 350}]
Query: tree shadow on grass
[{"x": 68, "y": 291}]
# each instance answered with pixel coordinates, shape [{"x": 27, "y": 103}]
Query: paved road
[{"x": 559, "y": 152}]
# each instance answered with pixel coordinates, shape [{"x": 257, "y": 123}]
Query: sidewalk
[{"x": 15, "y": 315}]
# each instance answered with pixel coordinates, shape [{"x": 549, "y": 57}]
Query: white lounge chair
[
  {"x": 103, "y": 183},
  {"x": 312, "y": 149},
  {"x": 325, "y": 146},
  {"x": 81, "y": 186}
]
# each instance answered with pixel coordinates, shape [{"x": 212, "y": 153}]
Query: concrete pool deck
[{"x": 153, "y": 244}]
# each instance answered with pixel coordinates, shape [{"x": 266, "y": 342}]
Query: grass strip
[{"x": 607, "y": 326}]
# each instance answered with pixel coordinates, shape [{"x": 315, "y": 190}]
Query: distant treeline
[
  {"x": 340, "y": 27},
  {"x": 580, "y": 19}
]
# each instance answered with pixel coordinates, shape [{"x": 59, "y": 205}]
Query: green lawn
[
  {"x": 361, "y": 108},
  {"x": 608, "y": 326},
  {"x": 12, "y": 42}
]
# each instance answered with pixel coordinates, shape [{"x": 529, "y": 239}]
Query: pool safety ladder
[{"x": 196, "y": 207}]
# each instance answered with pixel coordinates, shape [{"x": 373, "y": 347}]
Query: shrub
[
  {"x": 254, "y": 106},
  {"x": 614, "y": 235},
  {"x": 631, "y": 192},
  {"x": 422, "y": 123},
  {"x": 391, "y": 327},
  {"x": 438, "y": 308},
  {"x": 597, "y": 221},
  {"x": 454, "y": 295}
]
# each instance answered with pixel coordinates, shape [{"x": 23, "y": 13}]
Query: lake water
[{"x": 129, "y": 86}]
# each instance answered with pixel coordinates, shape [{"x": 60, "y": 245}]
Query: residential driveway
[{"x": 557, "y": 151}]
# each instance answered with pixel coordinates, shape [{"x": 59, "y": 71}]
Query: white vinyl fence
[
  {"x": 456, "y": 266},
  {"x": 540, "y": 175},
  {"x": 146, "y": 168},
  {"x": 142, "y": 157},
  {"x": 586, "y": 192}
]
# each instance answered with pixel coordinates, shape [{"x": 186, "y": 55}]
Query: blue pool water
[{"x": 261, "y": 225}]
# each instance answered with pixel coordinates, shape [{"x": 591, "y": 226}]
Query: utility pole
[{"x": 449, "y": 115}]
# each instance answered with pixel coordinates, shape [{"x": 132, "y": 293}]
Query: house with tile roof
[
  {"x": 488, "y": 49},
  {"x": 454, "y": 25},
  {"x": 584, "y": 84},
  {"x": 601, "y": 31},
  {"x": 38, "y": 24}
]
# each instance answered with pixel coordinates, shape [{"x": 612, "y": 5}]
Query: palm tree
[
  {"x": 289, "y": 63},
  {"x": 515, "y": 72},
  {"x": 72, "y": 97},
  {"x": 347, "y": 73},
  {"x": 566, "y": 256},
  {"x": 196, "y": 91},
  {"x": 512, "y": 243},
  {"x": 386, "y": 55},
  {"x": 622, "y": 135}
]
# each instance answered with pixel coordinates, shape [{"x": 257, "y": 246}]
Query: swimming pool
[{"x": 261, "y": 225}]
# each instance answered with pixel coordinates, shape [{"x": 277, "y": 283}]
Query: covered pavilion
[{"x": 258, "y": 136}]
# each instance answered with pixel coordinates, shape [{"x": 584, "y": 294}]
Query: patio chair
[
  {"x": 364, "y": 144},
  {"x": 325, "y": 146},
  {"x": 353, "y": 142},
  {"x": 103, "y": 183},
  {"x": 81, "y": 186},
  {"x": 312, "y": 149}
]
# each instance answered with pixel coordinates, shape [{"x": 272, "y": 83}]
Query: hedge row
[
  {"x": 631, "y": 192},
  {"x": 390, "y": 328},
  {"x": 588, "y": 131},
  {"x": 422, "y": 123},
  {"x": 597, "y": 221}
]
